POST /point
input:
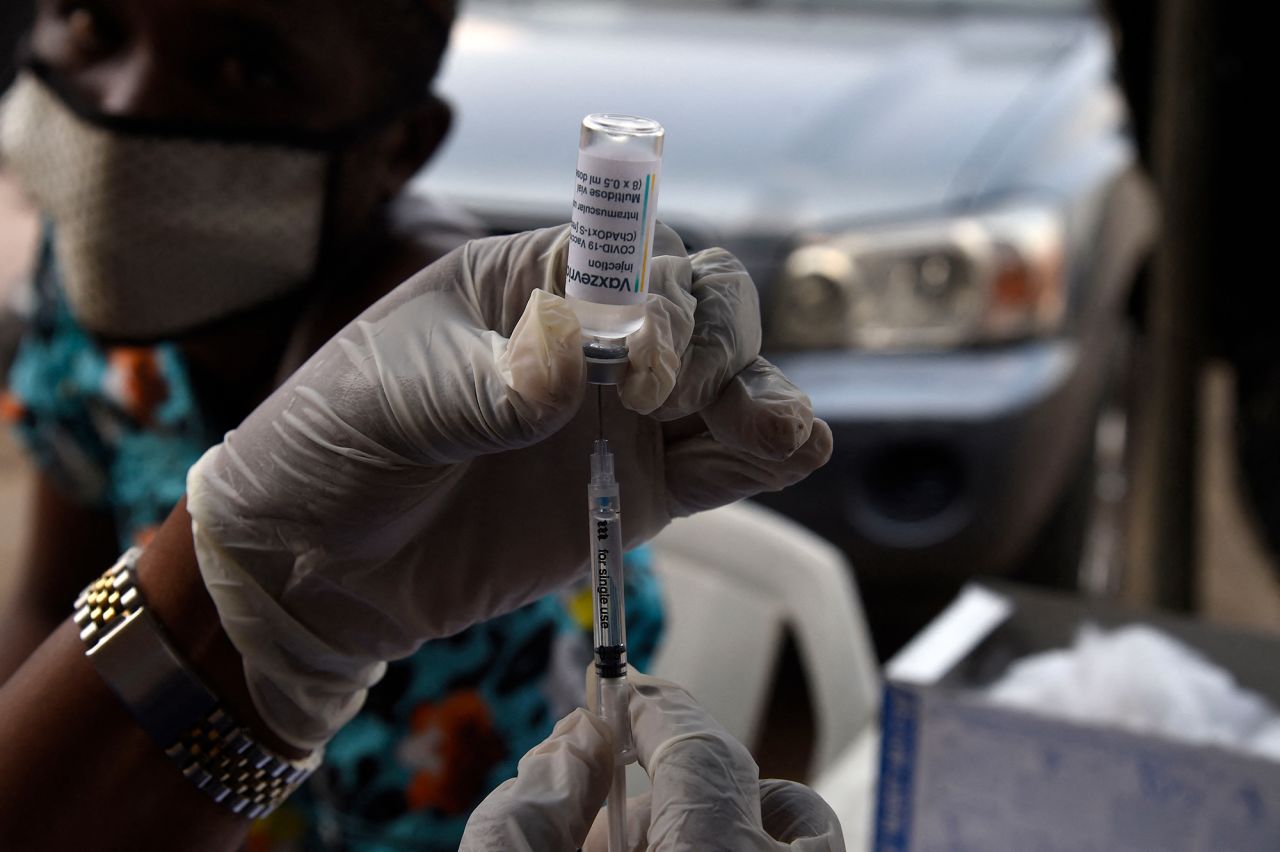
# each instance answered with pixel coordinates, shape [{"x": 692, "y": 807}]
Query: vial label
[{"x": 611, "y": 232}]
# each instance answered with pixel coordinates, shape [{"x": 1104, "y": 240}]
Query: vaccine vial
[{"x": 611, "y": 233}]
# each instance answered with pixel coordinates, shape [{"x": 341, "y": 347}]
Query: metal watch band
[{"x": 129, "y": 649}]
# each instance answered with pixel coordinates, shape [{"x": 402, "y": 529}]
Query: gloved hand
[
  {"x": 425, "y": 469},
  {"x": 706, "y": 794}
]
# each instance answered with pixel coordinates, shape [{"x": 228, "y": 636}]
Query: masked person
[{"x": 221, "y": 182}]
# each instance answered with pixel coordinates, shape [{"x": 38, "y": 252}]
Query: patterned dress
[{"x": 117, "y": 428}]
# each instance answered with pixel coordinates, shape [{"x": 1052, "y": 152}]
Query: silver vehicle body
[{"x": 789, "y": 123}]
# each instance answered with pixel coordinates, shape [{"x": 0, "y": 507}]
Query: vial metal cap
[{"x": 606, "y": 362}]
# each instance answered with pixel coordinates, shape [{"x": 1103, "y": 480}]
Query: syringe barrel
[
  {"x": 614, "y": 210},
  {"x": 606, "y": 578}
]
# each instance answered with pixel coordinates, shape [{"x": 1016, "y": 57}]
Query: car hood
[{"x": 774, "y": 120}]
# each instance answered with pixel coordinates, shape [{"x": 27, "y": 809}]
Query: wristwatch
[{"x": 130, "y": 651}]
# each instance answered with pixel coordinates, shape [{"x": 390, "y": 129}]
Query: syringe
[
  {"x": 607, "y": 282},
  {"x": 612, "y": 691}
]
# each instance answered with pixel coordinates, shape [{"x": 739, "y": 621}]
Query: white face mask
[{"x": 158, "y": 233}]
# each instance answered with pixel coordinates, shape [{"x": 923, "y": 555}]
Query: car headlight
[{"x": 988, "y": 277}]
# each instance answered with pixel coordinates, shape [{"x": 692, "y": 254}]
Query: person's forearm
[
  {"x": 170, "y": 581},
  {"x": 21, "y": 632},
  {"x": 76, "y": 770},
  {"x": 68, "y": 544}
]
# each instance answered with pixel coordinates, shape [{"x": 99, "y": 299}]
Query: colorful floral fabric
[
  {"x": 119, "y": 427},
  {"x": 116, "y": 429}
]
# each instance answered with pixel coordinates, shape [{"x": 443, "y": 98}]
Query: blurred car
[{"x": 939, "y": 203}]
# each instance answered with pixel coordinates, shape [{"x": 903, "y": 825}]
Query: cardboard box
[{"x": 958, "y": 773}]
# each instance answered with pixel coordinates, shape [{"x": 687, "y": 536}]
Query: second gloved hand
[
  {"x": 424, "y": 470},
  {"x": 706, "y": 793}
]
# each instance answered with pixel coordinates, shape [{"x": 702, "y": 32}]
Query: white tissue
[{"x": 1141, "y": 679}]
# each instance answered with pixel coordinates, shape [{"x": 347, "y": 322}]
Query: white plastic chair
[{"x": 733, "y": 580}]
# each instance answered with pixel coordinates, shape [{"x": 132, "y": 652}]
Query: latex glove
[
  {"x": 706, "y": 794},
  {"x": 555, "y": 795},
  {"x": 425, "y": 469}
]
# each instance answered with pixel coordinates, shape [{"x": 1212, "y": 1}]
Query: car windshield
[
  {"x": 924, "y": 5},
  {"x": 887, "y": 5},
  {"x": 1029, "y": 5}
]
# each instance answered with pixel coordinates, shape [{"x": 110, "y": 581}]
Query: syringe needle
[{"x": 600, "y": 410}]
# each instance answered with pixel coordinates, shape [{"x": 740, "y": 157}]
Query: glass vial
[{"x": 611, "y": 233}]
